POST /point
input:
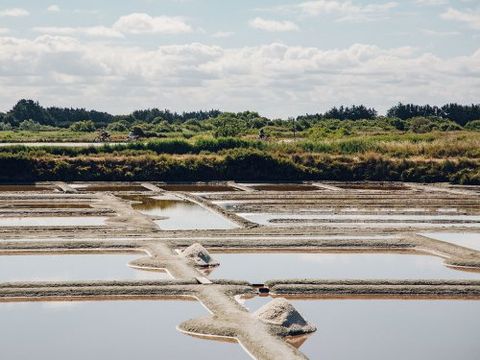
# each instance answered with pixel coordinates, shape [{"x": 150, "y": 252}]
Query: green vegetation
[{"x": 346, "y": 143}]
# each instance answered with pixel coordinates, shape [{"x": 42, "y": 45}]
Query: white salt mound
[
  {"x": 280, "y": 312},
  {"x": 198, "y": 255}
]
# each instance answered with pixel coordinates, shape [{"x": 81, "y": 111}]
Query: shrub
[
  {"x": 30, "y": 125},
  {"x": 473, "y": 125},
  {"x": 83, "y": 126}
]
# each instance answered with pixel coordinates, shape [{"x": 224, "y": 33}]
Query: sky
[{"x": 280, "y": 58}]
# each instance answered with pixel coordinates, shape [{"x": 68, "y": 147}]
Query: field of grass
[{"x": 367, "y": 153}]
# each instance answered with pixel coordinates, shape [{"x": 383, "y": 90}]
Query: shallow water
[
  {"x": 372, "y": 186},
  {"x": 389, "y": 329},
  {"x": 181, "y": 215},
  {"x": 283, "y": 187},
  {"x": 111, "y": 188},
  {"x": 25, "y": 188},
  {"x": 260, "y": 267},
  {"x": 376, "y": 220},
  {"x": 53, "y": 221},
  {"x": 120, "y": 330},
  {"x": 468, "y": 240},
  {"x": 197, "y": 187},
  {"x": 51, "y": 205},
  {"x": 70, "y": 267}
]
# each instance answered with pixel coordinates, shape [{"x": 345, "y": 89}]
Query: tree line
[{"x": 34, "y": 113}]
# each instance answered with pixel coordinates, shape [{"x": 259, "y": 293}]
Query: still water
[
  {"x": 68, "y": 267},
  {"x": 468, "y": 240},
  {"x": 45, "y": 221},
  {"x": 259, "y": 267},
  {"x": 120, "y": 330},
  {"x": 389, "y": 329},
  {"x": 180, "y": 215}
]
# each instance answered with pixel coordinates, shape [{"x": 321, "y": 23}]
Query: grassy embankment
[{"x": 436, "y": 156}]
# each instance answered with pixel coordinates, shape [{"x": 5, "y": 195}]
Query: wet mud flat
[{"x": 324, "y": 262}]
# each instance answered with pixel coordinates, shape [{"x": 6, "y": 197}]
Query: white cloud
[
  {"x": 275, "y": 79},
  {"x": 14, "y": 12},
  {"x": 128, "y": 24},
  {"x": 272, "y": 25},
  {"x": 223, "y": 34},
  {"x": 431, "y": 32},
  {"x": 96, "y": 31},
  {"x": 4, "y": 30},
  {"x": 471, "y": 17},
  {"x": 431, "y": 2},
  {"x": 53, "y": 8},
  {"x": 139, "y": 23},
  {"x": 343, "y": 10}
]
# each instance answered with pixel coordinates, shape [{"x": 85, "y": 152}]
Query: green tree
[{"x": 229, "y": 125}]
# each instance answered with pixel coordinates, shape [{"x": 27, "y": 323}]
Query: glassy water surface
[
  {"x": 389, "y": 329},
  {"x": 67, "y": 267},
  {"x": 45, "y": 221},
  {"x": 197, "y": 188},
  {"x": 260, "y": 267},
  {"x": 180, "y": 215},
  {"x": 469, "y": 240},
  {"x": 120, "y": 330}
]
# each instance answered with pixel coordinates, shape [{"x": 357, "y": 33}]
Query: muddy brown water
[
  {"x": 283, "y": 187},
  {"x": 260, "y": 267},
  {"x": 120, "y": 330},
  {"x": 197, "y": 187},
  {"x": 180, "y": 215},
  {"x": 388, "y": 329},
  {"x": 111, "y": 188},
  {"x": 372, "y": 186},
  {"x": 69, "y": 267},
  {"x": 29, "y": 188}
]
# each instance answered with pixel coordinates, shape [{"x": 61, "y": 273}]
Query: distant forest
[{"x": 65, "y": 117}]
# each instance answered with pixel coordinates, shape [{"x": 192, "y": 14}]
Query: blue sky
[{"x": 281, "y": 58}]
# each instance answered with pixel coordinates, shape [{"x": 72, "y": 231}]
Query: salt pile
[
  {"x": 279, "y": 312},
  {"x": 199, "y": 256}
]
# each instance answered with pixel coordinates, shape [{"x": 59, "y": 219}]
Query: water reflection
[
  {"x": 469, "y": 240},
  {"x": 68, "y": 267},
  {"x": 51, "y": 205},
  {"x": 180, "y": 215},
  {"x": 25, "y": 188},
  {"x": 45, "y": 221},
  {"x": 110, "y": 188},
  {"x": 197, "y": 187},
  {"x": 120, "y": 330},
  {"x": 284, "y": 187},
  {"x": 389, "y": 329},
  {"x": 259, "y": 267}
]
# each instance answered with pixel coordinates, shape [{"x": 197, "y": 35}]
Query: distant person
[{"x": 262, "y": 135}]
